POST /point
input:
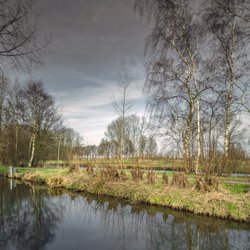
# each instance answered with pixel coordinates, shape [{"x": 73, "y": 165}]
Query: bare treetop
[{"x": 18, "y": 33}]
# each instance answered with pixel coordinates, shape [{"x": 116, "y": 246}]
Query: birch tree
[
  {"x": 173, "y": 73},
  {"x": 41, "y": 115},
  {"x": 228, "y": 21}
]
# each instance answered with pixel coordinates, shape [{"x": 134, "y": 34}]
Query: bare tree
[
  {"x": 41, "y": 115},
  {"x": 18, "y": 33},
  {"x": 59, "y": 133},
  {"x": 14, "y": 112},
  {"x": 173, "y": 79},
  {"x": 137, "y": 139},
  {"x": 71, "y": 142},
  {"x": 228, "y": 21},
  {"x": 186, "y": 51},
  {"x": 122, "y": 105},
  {"x": 4, "y": 84}
]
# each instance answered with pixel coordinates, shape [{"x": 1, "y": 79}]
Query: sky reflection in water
[{"x": 34, "y": 217}]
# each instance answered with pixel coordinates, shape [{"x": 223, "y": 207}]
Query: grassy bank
[{"x": 231, "y": 201}]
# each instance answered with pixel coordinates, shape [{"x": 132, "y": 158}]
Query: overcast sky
[{"x": 90, "y": 39}]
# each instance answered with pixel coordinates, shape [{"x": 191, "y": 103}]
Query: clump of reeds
[
  {"x": 165, "y": 178},
  {"x": 74, "y": 169},
  {"x": 151, "y": 177},
  {"x": 90, "y": 169},
  {"x": 180, "y": 180},
  {"x": 123, "y": 176},
  {"x": 110, "y": 173},
  {"x": 33, "y": 177},
  {"x": 55, "y": 182},
  {"x": 137, "y": 174},
  {"x": 207, "y": 183}
]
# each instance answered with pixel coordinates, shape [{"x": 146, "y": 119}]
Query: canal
[{"x": 35, "y": 217}]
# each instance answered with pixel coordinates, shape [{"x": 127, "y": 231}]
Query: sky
[{"x": 90, "y": 39}]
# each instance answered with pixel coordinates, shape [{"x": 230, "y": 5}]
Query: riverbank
[{"x": 229, "y": 202}]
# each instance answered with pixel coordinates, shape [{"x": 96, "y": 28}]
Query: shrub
[
  {"x": 165, "y": 178},
  {"x": 90, "y": 169},
  {"x": 55, "y": 182},
  {"x": 151, "y": 177},
  {"x": 110, "y": 173},
  {"x": 33, "y": 177},
  {"x": 123, "y": 176},
  {"x": 137, "y": 174},
  {"x": 207, "y": 183},
  {"x": 74, "y": 169},
  {"x": 180, "y": 180}
]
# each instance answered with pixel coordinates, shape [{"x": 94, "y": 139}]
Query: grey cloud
[
  {"x": 92, "y": 36},
  {"x": 89, "y": 39}
]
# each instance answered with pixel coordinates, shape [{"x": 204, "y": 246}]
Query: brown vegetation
[
  {"x": 74, "y": 169},
  {"x": 151, "y": 177},
  {"x": 137, "y": 174},
  {"x": 207, "y": 183},
  {"x": 165, "y": 178},
  {"x": 180, "y": 180}
]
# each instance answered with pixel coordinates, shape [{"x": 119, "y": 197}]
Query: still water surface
[{"x": 33, "y": 217}]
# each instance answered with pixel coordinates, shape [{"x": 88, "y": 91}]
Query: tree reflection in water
[
  {"x": 161, "y": 228},
  {"x": 28, "y": 217},
  {"x": 31, "y": 218}
]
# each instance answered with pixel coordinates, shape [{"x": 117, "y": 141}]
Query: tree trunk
[
  {"x": 187, "y": 154},
  {"x": 16, "y": 145},
  {"x": 32, "y": 153},
  {"x": 58, "y": 150},
  {"x": 198, "y": 121},
  {"x": 230, "y": 94},
  {"x": 228, "y": 118}
]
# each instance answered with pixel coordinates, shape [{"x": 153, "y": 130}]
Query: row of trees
[
  {"x": 137, "y": 141},
  {"x": 198, "y": 76},
  {"x": 31, "y": 131}
]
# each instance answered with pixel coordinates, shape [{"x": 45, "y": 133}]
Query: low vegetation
[
  {"x": 231, "y": 201},
  {"x": 237, "y": 188}
]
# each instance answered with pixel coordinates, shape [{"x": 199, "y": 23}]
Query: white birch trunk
[
  {"x": 58, "y": 150},
  {"x": 198, "y": 121},
  {"x": 230, "y": 94},
  {"x": 228, "y": 120},
  {"x": 32, "y": 154}
]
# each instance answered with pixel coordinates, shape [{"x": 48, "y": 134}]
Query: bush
[
  {"x": 33, "y": 177},
  {"x": 208, "y": 183},
  {"x": 180, "y": 180},
  {"x": 137, "y": 174},
  {"x": 123, "y": 176},
  {"x": 110, "y": 173},
  {"x": 151, "y": 177},
  {"x": 165, "y": 178},
  {"x": 74, "y": 169},
  {"x": 55, "y": 182},
  {"x": 90, "y": 169}
]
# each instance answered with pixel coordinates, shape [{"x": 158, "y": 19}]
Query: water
[{"x": 33, "y": 217}]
